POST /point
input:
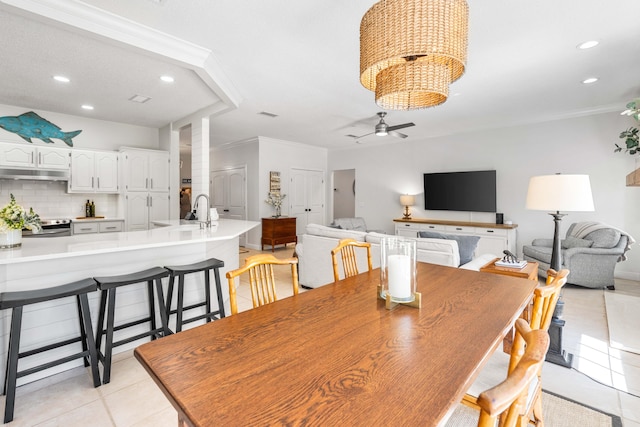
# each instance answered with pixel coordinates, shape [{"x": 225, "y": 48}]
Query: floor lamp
[{"x": 567, "y": 193}]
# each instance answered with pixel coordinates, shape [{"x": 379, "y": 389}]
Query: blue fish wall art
[{"x": 30, "y": 125}]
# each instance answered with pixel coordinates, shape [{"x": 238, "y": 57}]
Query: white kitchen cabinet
[
  {"x": 30, "y": 156},
  {"x": 494, "y": 238},
  {"x": 94, "y": 172},
  {"x": 145, "y": 170},
  {"x": 142, "y": 208},
  {"x": 92, "y": 227}
]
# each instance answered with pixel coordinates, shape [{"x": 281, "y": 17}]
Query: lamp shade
[
  {"x": 568, "y": 193},
  {"x": 407, "y": 200},
  {"x": 412, "y": 50}
]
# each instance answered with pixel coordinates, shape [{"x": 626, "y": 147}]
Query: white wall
[{"x": 579, "y": 145}]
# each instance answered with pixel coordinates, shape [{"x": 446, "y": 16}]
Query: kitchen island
[{"x": 41, "y": 263}]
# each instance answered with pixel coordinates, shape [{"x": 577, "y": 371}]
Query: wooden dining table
[{"x": 335, "y": 355}]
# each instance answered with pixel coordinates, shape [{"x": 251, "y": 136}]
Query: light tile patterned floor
[{"x": 133, "y": 399}]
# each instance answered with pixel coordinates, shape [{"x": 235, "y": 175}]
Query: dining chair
[
  {"x": 261, "y": 279},
  {"x": 545, "y": 299},
  {"x": 346, "y": 248},
  {"x": 508, "y": 399}
]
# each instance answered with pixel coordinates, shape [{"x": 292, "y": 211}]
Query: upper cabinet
[
  {"x": 94, "y": 171},
  {"x": 145, "y": 170},
  {"x": 30, "y": 156}
]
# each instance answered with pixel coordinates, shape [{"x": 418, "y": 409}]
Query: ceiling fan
[{"x": 383, "y": 129}]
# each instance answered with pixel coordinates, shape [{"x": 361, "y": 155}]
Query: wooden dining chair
[
  {"x": 346, "y": 248},
  {"x": 261, "y": 279},
  {"x": 545, "y": 299},
  {"x": 508, "y": 400}
]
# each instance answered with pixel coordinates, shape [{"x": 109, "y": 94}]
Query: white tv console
[{"x": 494, "y": 238}]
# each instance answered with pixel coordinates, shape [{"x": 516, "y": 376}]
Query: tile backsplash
[{"x": 50, "y": 199}]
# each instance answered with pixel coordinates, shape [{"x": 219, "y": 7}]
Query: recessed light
[
  {"x": 588, "y": 45},
  {"x": 87, "y": 107},
  {"x": 61, "y": 79},
  {"x": 590, "y": 80},
  {"x": 167, "y": 79}
]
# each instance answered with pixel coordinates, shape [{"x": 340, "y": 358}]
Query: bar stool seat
[
  {"x": 16, "y": 301},
  {"x": 108, "y": 287},
  {"x": 180, "y": 271}
]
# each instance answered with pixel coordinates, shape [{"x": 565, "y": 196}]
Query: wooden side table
[
  {"x": 278, "y": 231},
  {"x": 529, "y": 271}
]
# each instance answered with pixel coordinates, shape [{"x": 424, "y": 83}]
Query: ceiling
[{"x": 299, "y": 60}]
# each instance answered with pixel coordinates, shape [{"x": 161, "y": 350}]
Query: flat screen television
[{"x": 473, "y": 191}]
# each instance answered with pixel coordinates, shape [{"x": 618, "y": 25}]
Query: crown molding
[{"x": 114, "y": 28}]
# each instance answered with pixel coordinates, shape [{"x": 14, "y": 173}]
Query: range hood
[{"x": 37, "y": 174}]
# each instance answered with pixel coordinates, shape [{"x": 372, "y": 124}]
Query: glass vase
[
  {"x": 398, "y": 269},
  {"x": 278, "y": 212}
]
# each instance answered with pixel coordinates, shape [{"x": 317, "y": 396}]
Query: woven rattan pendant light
[{"x": 412, "y": 50}]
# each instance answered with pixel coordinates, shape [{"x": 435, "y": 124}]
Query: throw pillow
[
  {"x": 466, "y": 244},
  {"x": 604, "y": 238},
  {"x": 574, "y": 242}
]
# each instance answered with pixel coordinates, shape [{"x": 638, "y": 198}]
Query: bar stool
[
  {"x": 180, "y": 271},
  {"x": 16, "y": 301},
  {"x": 108, "y": 287}
]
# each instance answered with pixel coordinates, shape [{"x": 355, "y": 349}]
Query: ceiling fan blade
[
  {"x": 396, "y": 134},
  {"x": 396, "y": 127},
  {"x": 362, "y": 136}
]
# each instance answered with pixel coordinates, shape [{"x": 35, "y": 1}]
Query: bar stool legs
[
  {"x": 108, "y": 287},
  {"x": 182, "y": 270},
  {"x": 16, "y": 301}
]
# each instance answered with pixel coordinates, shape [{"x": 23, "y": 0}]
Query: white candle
[{"x": 399, "y": 273}]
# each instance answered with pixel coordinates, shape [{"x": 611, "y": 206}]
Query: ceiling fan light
[
  {"x": 381, "y": 129},
  {"x": 412, "y": 86},
  {"x": 394, "y": 33}
]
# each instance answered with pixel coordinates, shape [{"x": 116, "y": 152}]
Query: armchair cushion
[
  {"x": 574, "y": 242},
  {"x": 466, "y": 244}
]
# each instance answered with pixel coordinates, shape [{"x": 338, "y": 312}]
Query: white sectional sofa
[{"x": 314, "y": 253}]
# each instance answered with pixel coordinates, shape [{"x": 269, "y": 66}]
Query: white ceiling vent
[{"x": 140, "y": 99}]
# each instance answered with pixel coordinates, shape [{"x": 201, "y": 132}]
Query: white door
[
  {"x": 53, "y": 158},
  {"x": 16, "y": 155},
  {"x": 158, "y": 207},
  {"x": 159, "y": 172},
  {"x": 106, "y": 172},
  {"x": 227, "y": 191},
  {"x": 136, "y": 171},
  {"x": 137, "y": 211},
  {"x": 82, "y": 179},
  {"x": 307, "y": 198}
]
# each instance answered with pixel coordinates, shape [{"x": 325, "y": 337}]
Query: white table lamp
[
  {"x": 407, "y": 200},
  {"x": 568, "y": 193}
]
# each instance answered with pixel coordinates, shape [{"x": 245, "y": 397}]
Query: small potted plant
[{"x": 13, "y": 218}]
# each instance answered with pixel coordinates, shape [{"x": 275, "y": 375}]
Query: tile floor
[{"x": 133, "y": 399}]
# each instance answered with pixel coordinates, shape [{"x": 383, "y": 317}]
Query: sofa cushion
[
  {"x": 466, "y": 244},
  {"x": 375, "y": 238},
  {"x": 604, "y": 238},
  {"x": 574, "y": 242},
  {"x": 356, "y": 223},
  {"x": 336, "y": 233},
  {"x": 538, "y": 253}
]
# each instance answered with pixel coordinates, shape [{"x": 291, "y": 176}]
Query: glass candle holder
[{"x": 398, "y": 269}]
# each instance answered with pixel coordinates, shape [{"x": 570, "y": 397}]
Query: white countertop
[{"x": 175, "y": 233}]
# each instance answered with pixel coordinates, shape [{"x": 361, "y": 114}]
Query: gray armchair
[{"x": 591, "y": 256}]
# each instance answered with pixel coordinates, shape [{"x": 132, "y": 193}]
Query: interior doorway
[{"x": 344, "y": 193}]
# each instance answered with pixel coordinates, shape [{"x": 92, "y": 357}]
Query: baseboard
[{"x": 628, "y": 275}]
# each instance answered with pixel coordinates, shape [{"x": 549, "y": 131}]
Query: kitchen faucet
[{"x": 195, "y": 207}]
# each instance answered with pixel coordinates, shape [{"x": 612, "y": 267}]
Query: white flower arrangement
[
  {"x": 15, "y": 217},
  {"x": 275, "y": 200}
]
